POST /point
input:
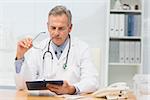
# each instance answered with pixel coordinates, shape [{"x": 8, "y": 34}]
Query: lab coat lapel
[
  {"x": 53, "y": 53},
  {"x": 64, "y": 53}
]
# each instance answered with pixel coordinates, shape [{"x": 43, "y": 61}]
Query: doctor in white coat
[{"x": 63, "y": 58}]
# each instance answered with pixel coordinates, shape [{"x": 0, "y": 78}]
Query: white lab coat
[{"x": 80, "y": 71}]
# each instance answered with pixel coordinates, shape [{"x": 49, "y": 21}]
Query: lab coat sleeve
[
  {"x": 89, "y": 76},
  {"x": 28, "y": 71}
]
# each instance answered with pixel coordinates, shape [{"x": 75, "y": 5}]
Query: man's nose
[{"x": 56, "y": 33}]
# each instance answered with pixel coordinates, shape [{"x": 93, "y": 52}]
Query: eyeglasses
[{"x": 38, "y": 38}]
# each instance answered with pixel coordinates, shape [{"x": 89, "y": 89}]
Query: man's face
[{"x": 59, "y": 28}]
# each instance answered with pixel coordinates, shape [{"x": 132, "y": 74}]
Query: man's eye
[
  {"x": 53, "y": 28},
  {"x": 62, "y": 28}
]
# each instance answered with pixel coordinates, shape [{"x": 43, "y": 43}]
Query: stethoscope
[{"x": 48, "y": 51}]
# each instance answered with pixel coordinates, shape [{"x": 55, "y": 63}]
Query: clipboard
[{"x": 41, "y": 85}]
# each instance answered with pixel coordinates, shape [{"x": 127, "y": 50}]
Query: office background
[{"x": 19, "y": 18}]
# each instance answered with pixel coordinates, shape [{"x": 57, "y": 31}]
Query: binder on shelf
[
  {"x": 114, "y": 52},
  {"x": 112, "y": 25},
  {"x": 121, "y": 24},
  {"x": 126, "y": 25},
  {"x": 130, "y": 24},
  {"x": 131, "y": 52},
  {"x": 117, "y": 20},
  {"x": 111, "y": 50},
  {"x": 137, "y": 52},
  {"x": 121, "y": 51},
  {"x": 137, "y": 25},
  {"x": 126, "y": 46}
]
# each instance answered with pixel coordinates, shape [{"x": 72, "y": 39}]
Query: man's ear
[{"x": 70, "y": 28}]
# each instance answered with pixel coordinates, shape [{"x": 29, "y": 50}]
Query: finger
[
  {"x": 29, "y": 39},
  {"x": 21, "y": 44},
  {"x": 57, "y": 91},
  {"x": 52, "y": 86},
  {"x": 65, "y": 83},
  {"x": 27, "y": 43},
  {"x": 53, "y": 89},
  {"x": 30, "y": 42}
]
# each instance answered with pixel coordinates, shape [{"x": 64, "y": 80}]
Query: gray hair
[{"x": 59, "y": 10}]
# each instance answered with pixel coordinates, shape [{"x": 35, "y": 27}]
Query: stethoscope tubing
[{"x": 48, "y": 51}]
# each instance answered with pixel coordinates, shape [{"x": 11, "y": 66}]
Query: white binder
[
  {"x": 122, "y": 51},
  {"x": 131, "y": 52},
  {"x": 117, "y": 20},
  {"x": 112, "y": 25},
  {"x": 137, "y": 52},
  {"x": 121, "y": 24},
  {"x": 126, "y": 51}
]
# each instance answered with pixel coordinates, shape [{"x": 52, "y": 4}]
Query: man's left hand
[{"x": 66, "y": 88}]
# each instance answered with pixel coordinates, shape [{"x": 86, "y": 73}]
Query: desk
[{"x": 23, "y": 95}]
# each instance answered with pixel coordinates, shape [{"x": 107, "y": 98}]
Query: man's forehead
[
  {"x": 58, "y": 15},
  {"x": 59, "y": 19}
]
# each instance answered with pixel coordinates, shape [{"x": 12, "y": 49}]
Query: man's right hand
[{"x": 23, "y": 46}]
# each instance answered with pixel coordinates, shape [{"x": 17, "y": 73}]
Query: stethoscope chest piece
[{"x": 64, "y": 66}]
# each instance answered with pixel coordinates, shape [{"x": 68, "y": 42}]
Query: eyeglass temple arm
[{"x": 38, "y": 35}]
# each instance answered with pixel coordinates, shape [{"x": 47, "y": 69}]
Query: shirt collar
[{"x": 61, "y": 47}]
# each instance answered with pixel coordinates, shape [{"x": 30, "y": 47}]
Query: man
[{"x": 70, "y": 59}]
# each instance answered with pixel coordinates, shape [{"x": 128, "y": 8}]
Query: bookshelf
[{"x": 125, "y": 41}]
